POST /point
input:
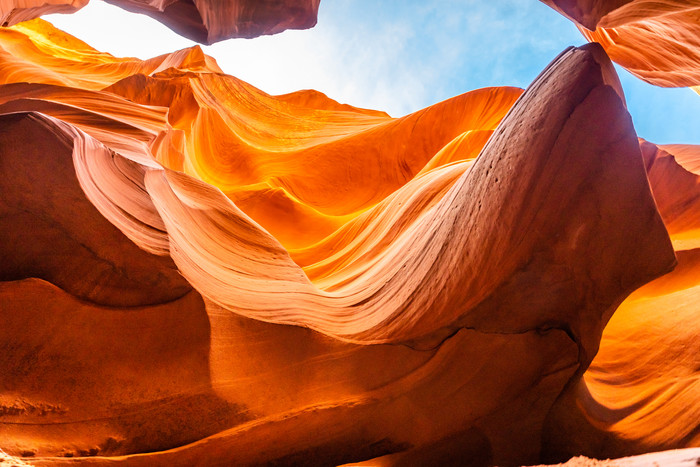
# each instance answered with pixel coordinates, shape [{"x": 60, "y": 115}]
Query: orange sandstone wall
[{"x": 196, "y": 272}]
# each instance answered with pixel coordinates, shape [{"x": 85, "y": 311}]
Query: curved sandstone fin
[
  {"x": 641, "y": 390},
  {"x": 539, "y": 210}
]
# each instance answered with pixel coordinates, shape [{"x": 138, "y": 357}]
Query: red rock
[
  {"x": 481, "y": 246},
  {"x": 16, "y": 11},
  {"x": 587, "y": 13},
  {"x": 51, "y": 231},
  {"x": 209, "y": 21},
  {"x": 641, "y": 391},
  {"x": 204, "y": 21},
  {"x": 658, "y": 41}
]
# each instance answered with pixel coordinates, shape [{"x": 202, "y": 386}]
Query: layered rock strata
[{"x": 196, "y": 272}]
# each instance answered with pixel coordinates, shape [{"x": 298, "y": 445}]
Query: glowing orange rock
[
  {"x": 658, "y": 41},
  {"x": 437, "y": 309},
  {"x": 266, "y": 153}
]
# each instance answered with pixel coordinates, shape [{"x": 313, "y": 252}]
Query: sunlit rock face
[
  {"x": 204, "y": 21},
  {"x": 656, "y": 40},
  {"x": 196, "y": 272}
]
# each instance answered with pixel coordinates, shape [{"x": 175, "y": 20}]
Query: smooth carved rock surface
[
  {"x": 348, "y": 285},
  {"x": 656, "y": 40},
  {"x": 642, "y": 390},
  {"x": 209, "y": 21},
  {"x": 204, "y": 21},
  {"x": 16, "y": 11}
]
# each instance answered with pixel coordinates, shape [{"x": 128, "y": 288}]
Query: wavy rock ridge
[{"x": 246, "y": 278}]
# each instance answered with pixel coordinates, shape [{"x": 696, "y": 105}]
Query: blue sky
[{"x": 397, "y": 55}]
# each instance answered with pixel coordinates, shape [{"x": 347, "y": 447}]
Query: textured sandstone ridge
[
  {"x": 204, "y": 21},
  {"x": 348, "y": 285},
  {"x": 656, "y": 40}
]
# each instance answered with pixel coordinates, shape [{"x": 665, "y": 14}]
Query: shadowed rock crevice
[{"x": 50, "y": 230}]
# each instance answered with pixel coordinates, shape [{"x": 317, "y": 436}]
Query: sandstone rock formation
[
  {"x": 209, "y": 21},
  {"x": 204, "y": 21},
  {"x": 16, "y": 11},
  {"x": 656, "y": 40},
  {"x": 642, "y": 390},
  {"x": 194, "y": 271}
]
